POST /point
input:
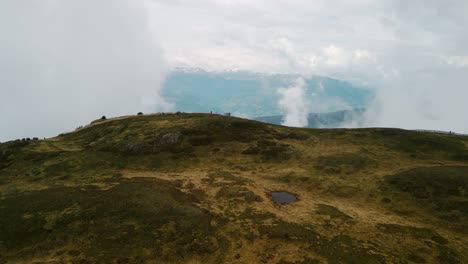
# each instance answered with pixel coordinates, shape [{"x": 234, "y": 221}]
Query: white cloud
[
  {"x": 335, "y": 56},
  {"x": 65, "y": 63},
  {"x": 294, "y": 104},
  {"x": 458, "y": 61},
  {"x": 413, "y": 53},
  {"x": 362, "y": 56}
]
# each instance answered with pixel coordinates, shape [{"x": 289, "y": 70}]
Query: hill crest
[{"x": 188, "y": 188}]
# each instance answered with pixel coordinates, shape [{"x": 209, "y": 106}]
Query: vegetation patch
[
  {"x": 222, "y": 178},
  {"x": 11, "y": 150},
  {"x": 233, "y": 129},
  {"x": 416, "y": 258},
  {"x": 422, "y": 145},
  {"x": 446, "y": 254},
  {"x": 291, "y": 135},
  {"x": 416, "y": 232},
  {"x": 294, "y": 178},
  {"x": 339, "y": 249},
  {"x": 238, "y": 193},
  {"x": 270, "y": 150},
  {"x": 343, "y": 163},
  {"x": 444, "y": 186},
  {"x": 345, "y": 249},
  {"x": 333, "y": 213},
  {"x": 304, "y": 261},
  {"x": 134, "y": 216}
]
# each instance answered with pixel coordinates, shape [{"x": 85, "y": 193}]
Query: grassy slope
[{"x": 192, "y": 188}]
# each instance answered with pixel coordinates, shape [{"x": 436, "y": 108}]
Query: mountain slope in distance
[
  {"x": 250, "y": 94},
  {"x": 197, "y": 188}
]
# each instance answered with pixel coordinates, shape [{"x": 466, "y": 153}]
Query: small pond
[{"x": 283, "y": 197}]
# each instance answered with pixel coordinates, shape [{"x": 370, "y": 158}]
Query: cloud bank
[
  {"x": 413, "y": 54},
  {"x": 294, "y": 105},
  {"x": 64, "y": 63}
]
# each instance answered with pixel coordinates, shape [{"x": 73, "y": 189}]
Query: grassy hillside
[{"x": 194, "y": 188}]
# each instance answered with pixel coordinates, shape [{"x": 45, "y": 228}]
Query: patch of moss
[
  {"x": 238, "y": 193},
  {"x": 421, "y": 144},
  {"x": 257, "y": 216},
  {"x": 333, "y": 213},
  {"x": 294, "y": 178},
  {"x": 445, "y": 188},
  {"x": 134, "y": 215},
  {"x": 296, "y": 135},
  {"x": 416, "y": 232},
  {"x": 432, "y": 182},
  {"x": 345, "y": 249},
  {"x": 339, "y": 249},
  {"x": 304, "y": 261},
  {"x": 252, "y": 150},
  {"x": 221, "y": 178},
  {"x": 10, "y": 151},
  {"x": 448, "y": 255},
  {"x": 234, "y": 129},
  {"x": 270, "y": 150},
  {"x": 346, "y": 163},
  {"x": 416, "y": 258}
]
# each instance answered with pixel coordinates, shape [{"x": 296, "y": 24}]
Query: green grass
[
  {"x": 445, "y": 186},
  {"x": 270, "y": 150},
  {"x": 143, "y": 214},
  {"x": 339, "y": 249},
  {"x": 333, "y": 213},
  {"x": 439, "y": 191},
  {"x": 343, "y": 163},
  {"x": 223, "y": 178},
  {"x": 11, "y": 150},
  {"x": 423, "y": 145},
  {"x": 238, "y": 193},
  {"x": 294, "y": 178},
  {"x": 417, "y": 232}
]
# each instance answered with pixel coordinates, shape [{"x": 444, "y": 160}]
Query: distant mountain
[
  {"x": 250, "y": 94},
  {"x": 323, "y": 120}
]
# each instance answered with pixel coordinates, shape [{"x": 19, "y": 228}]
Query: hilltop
[{"x": 195, "y": 188}]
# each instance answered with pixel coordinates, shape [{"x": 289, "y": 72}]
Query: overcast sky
[
  {"x": 64, "y": 55},
  {"x": 318, "y": 36}
]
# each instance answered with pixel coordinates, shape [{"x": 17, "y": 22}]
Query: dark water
[{"x": 282, "y": 197}]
